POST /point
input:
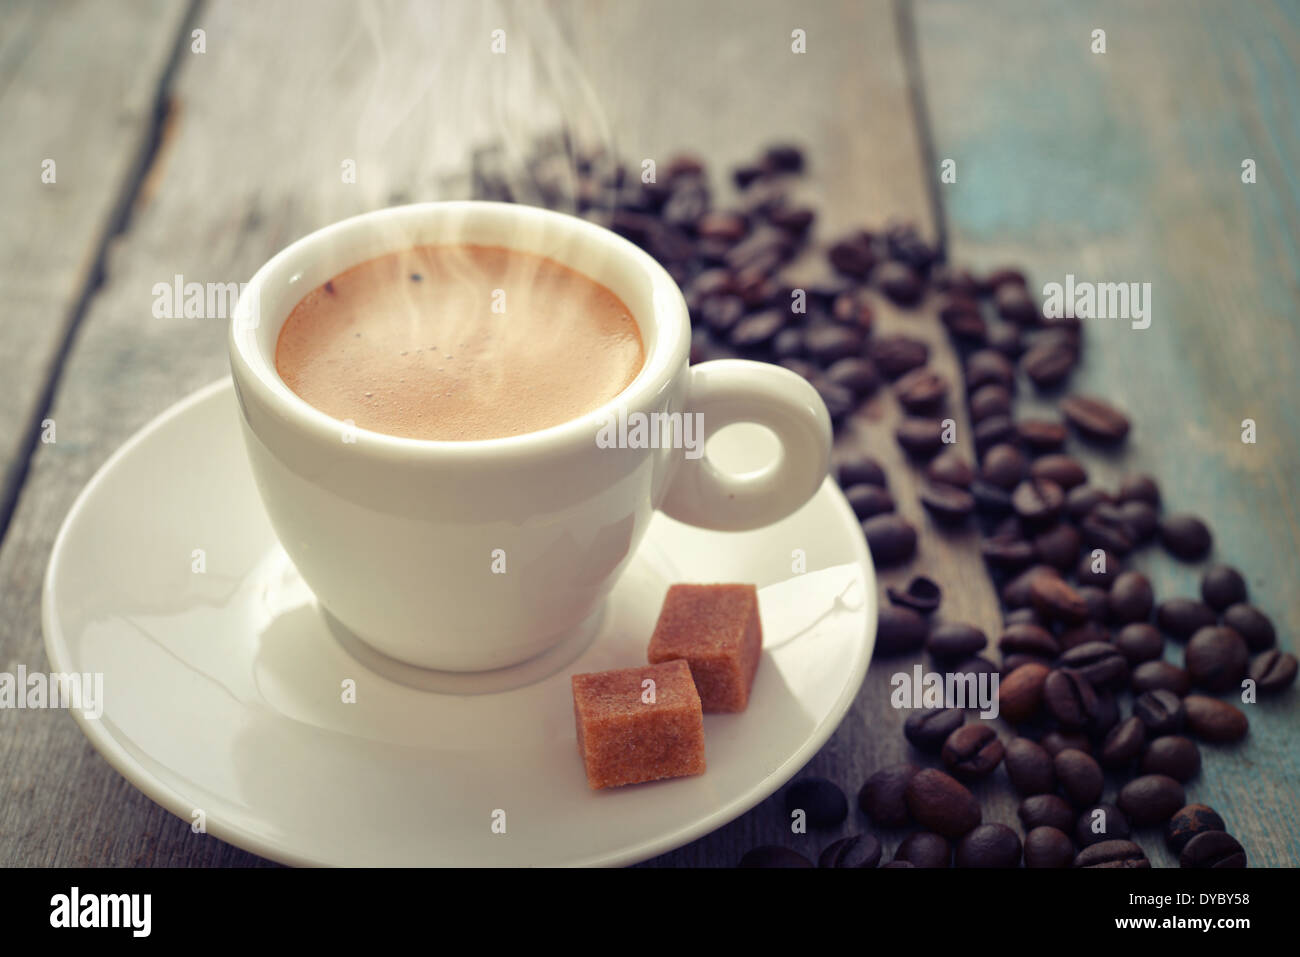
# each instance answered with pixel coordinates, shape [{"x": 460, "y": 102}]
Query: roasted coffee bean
[
  {"x": 997, "y": 278},
  {"x": 770, "y": 855},
  {"x": 1190, "y": 821},
  {"x": 941, "y": 803},
  {"x": 1101, "y": 822},
  {"x": 928, "y": 729},
  {"x": 1080, "y": 776},
  {"x": 762, "y": 251},
  {"x": 1041, "y": 435},
  {"x": 1055, "y": 600},
  {"x": 1082, "y": 499},
  {"x": 989, "y": 845},
  {"x": 1273, "y": 671},
  {"x": 975, "y": 665},
  {"x": 1141, "y": 518},
  {"x": 1252, "y": 624},
  {"x": 925, "y": 849},
  {"x": 990, "y": 499},
  {"x": 1058, "y": 546},
  {"x": 829, "y": 342},
  {"x": 882, "y": 796},
  {"x": 1158, "y": 675},
  {"x": 1131, "y": 598},
  {"x": 795, "y": 220},
  {"x": 1028, "y": 639},
  {"x": 961, "y": 317},
  {"x": 1014, "y": 304},
  {"x": 869, "y": 500},
  {"x": 989, "y": 401},
  {"x": 959, "y": 282},
  {"x": 1064, "y": 470},
  {"x": 953, "y": 640},
  {"x": 1048, "y": 847},
  {"x": 856, "y": 374},
  {"x": 1020, "y": 693},
  {"x": 1123, "y": 744},
  {"x": 1097, "y": 567},
  {"x": 922, "y": 595},
  {"x": 972, "y": 751},
  {"x": 853, "y": 466},
  {"x": 1029, "y": 767},
  {"x": 1221, "y": 586},
  {"x": 1004, "y": 466},
  {"x": 852, "y": 308},
  {"x": 1216, "y": 658},
  {"x": 788, "y": 344},
  {"x": 1015, "y": 660},
  {"x": 1112, "y": 854},
  {"x": 838, "y": 400},
  {"x": 988, "y": 367},
  {"x": 895, "y": 355},
  {"x": 1185, "y": 536},
  {"x": 1213, "y": 720},
  {"x": 721, "y": 224},
  {"x": 1046, "y": 810},
  {"x": 1049, "y": 364},
  {"x": 1105, "y": 527},
  {"x": 1038, "y": 500},
  {"x": 899, "y": 630},
  {"x": 858, "y": 850},
  {"x": 947, "y": 503},
  {"x": 1140, "y": 488},
  {"x": 1182, "y": 617},
  {"x": 1098, "y": 602},
  {"x": 921, "y": 390},
  {"x": 1160, "y": 711},
  {"x": 821, "y": 800},
  {"x": 1140, "y": 642},
  {"x": 1151, "y": 799},
  {"x": 800, "y": 367},
  {"x": 721, "y": 313},
  {"x": 892, "y": 539},
  {"x": 1173, "y": 755},
  {"x": 920, "y": 438},
  {"x": 899, "y": 282},
  {"x": 1015, "y": 593},
  {"x": 1007, "y": 340},
  {"x": 992, "y": 431},
  {"x": 1100, "y": 662},
  {"x": 1104, "y": 717},
  {"x": 951, "y": 468},
  {"x": 1094, "y": 419},
  {"x": 1069, "y": 698},
  {"x": 1007, "y": 551},
  {"x": 1213, "y": 849},
  {"x": 1087, "y": 633},
  {"x": 1057, "y": 741}
]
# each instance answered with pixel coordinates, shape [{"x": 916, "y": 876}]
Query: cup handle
[{"x": 727, "y": 391}]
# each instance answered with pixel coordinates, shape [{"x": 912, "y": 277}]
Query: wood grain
[{"x": 1126, "y": 166}]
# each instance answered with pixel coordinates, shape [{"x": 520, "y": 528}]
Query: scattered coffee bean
[
  {"x": 1173, "y": 755},
  {"x": 989, "y": 845},
  {"x": 922, "y": 595},
  {"x": 951, "y": 468},
  {"x": 855, "y": 467},
  {"x": 1057, "y": 741},
  {"x": 1064, "y": 470},
  {"x": 1160, "y": 711},
  {"x": 920, "y": 438},
  {"x": 1104, "y": 717},
  {"x": 972, "y": 751},
  {"x": 925, "y": 849},
  {"x": 941, "y": 803},
  {"x": 1190, "y": 821},
  {"x": 1004, "y": 466},
  {"x": 838, "y": 400},
  {"x": 1252, "y": 624},
  {"x": 1157, "y": 675},
  {"x": 858, "y": 850},
  {"x": 1140, "y": 488},
  {"x": 1041, "y": 435},
  {"x": 1082, "y": 499},
  {"x": 1101, "y": 822},
  {"x": 990, "y": 499},
  {"x": 830, "y": 342},
  {"x": 961, "y": 317},
  {"x": 869, "y": 500},
  {"x": 1055, "y": 600},
  {"x": 1080, "y": 776},
  {"x": 1098, "y": 602},
  {"x": 1141, "y": 518},
  {"x": 1020, "y": 693},
  {"x": 988, "y": 367},
  {"x": 1216, "y": 658},
  {"x": 1069, "y": 698},
  {"x": 1123, "y": 744},
  {"x": 1029, "y": 767},
  {"x": 1050, "y": 364},
  {"x": 1131, "y": 598},
  {"x": 882, "y": 796},
  {"x": 1140, "y": 642},
  {"x": 1046, "y": 810},
  {"x": 1105, "y": 527},
  {"x": 1185, "y": 536},
  {"x": 1213, "y": 849},
  {"x": 1058, "y": 547},
  {"x": 1112, "y": 854},
  {"x": 1028, "y": 639},
  {"x": 928, "y": 729},
  {"x": 821, "y": 800},
  {"x": 993, "y": 431},
  {"x": 899, "y": 282},
  {"x": 1100, "y": 662},
  {"x": 1273, "y": 671},
  {"x": 854, "y": 373},
  {"x": 1088, "y": 633},
  {"x": 896, "y": 354},
  {"x": 769, "y": 855},
  {"x": 989, "y": 401},
  {"x": 899, "y": 630},
  {"x": 1048, "y": 847},
  {"x": 1181, "y": 618},
  {"x": 1151, "y": 799},
  {"x": 1014, "y": 304},
  {"x": 921, "y": 390},
  {"x": 975, "y": 665},
  {"x": 1038, "y": 500},
  {"x": 1094, "y": 419},
  {"x": 948, "y": 504},
  {"x": 953, "y": 640},
  {"x": 1221, "y": 586},
  {"x": 1213, "y": 720},
  {"x": 1007, "y": 340},
  {"x": 892, "y": 539}
]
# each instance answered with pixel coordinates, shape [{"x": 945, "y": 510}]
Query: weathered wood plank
[
  {"x": 78, "y": 84},
  {"x": 1126, "y": 166}
]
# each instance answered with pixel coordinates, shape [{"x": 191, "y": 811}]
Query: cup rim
[{"x": 254, "y": 370}]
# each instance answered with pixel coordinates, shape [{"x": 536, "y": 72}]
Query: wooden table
[{"x": 202, "y": 154}]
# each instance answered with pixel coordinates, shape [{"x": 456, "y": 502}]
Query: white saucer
[{"x": 223, "y": 689}]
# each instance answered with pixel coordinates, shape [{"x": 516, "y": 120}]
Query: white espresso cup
[{"x": 470, "y": 556}]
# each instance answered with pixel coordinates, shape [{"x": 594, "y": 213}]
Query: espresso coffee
[{"x": 459, "y": 342}]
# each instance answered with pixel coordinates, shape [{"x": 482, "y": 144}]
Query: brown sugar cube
[
  {"x": 623, "y": 739},
  {"x": 716, "y": 629}
]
